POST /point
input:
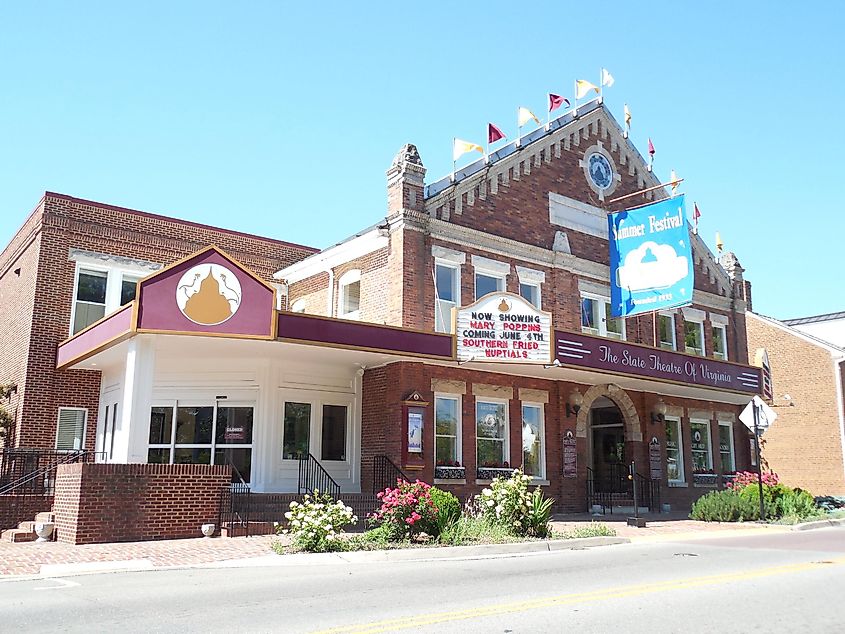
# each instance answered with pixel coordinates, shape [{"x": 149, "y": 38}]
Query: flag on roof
[
  {"x": 525, "y": 115},
  {"x": 627, "y": 116},
  {"x": 582, "y": 87},
  {"x": 556, "y": 101},
  {"x": 673, "y": 181},
  {"x": 696, "y": 214},
  {"x": 494, "y": 133},
  {"x": 460, "y": 147},
  {"x": 606, "y": 78},
  {"x": 719, "y": 244},
  {"x": 651, "y": 148}
]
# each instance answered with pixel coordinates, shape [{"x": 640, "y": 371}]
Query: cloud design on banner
[{"x": 651, "y": 266}]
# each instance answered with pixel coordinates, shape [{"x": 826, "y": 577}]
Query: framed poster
[{"x": 415, "y": 426}]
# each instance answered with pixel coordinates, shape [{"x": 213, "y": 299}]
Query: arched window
[{"x": 298, "y": 306}]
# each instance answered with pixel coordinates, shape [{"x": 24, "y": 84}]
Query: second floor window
[
  {"x": 720, "y": 343},
  {"x": 100, "y": 292},
  {"x": 350, "y": 295},
  {"x": 694, "y": 337},
  {"x": 596, "y": 319},
  {"x": 446, "y": 279},
  {"x": 485, "y": 283},
  {"x": 666, "y": 331}
]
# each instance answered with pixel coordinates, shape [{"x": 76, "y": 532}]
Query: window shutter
[{"x": 71, "y": 429}]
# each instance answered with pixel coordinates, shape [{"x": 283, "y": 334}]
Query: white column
[
  {"x": 132, "y": 429},
  {"x": 264, "y": 465}
]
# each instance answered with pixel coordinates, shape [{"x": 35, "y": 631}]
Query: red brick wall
[
  {"x": 804, "y": 445},
  {"x": 98, "y": 503},
  {"x": 15, "y": 509},
  {"x": 384, "y": 389},
  {"x": 46, "y": 296}
]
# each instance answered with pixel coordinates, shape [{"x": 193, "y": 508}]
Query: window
[
  {"x": 350, "y": 295},
  {"x": 298, "y": 306},
  {"x": 90, "y": 302},
  {"x": 533, "y": 454},
  {"x": 596, "y": 319},
  {"x": 726, "y": 447},
  {"x": 491, "y": 431},
  {"x": 333, "y": 445},
  {"x": 315, "y": 427},
  {"x": 485, "y": 284},
  {"x": 530, "y": 281},
  {"x": 694, "y": 337},
  {"x": 674, "y": 451},
  {"x": 720, "y": 342},
  {"x": 99, "y": 292},
  {"x": 702, "y": 459},
  {"x": 666, "y": 331},
  {"x": 202, "y": 434},
  {"x": 446, "y": 277},
  {"x": 70, "y": 430},
  {"x": 447, "y": 428}
]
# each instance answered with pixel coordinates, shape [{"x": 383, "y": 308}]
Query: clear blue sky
[{"x": 281, "y": 118}]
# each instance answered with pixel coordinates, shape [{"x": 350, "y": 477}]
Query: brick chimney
[{"x": 405, "y": 182}]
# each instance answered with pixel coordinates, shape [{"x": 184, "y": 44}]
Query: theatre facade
[{"x": 466, "y": 334}]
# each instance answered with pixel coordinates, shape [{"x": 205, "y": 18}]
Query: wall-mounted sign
[
  {"x": 208, "y": 294},
  {"x": 600, "y": 353},
  {"x": 415, "y": 425},
  {"x": 503, "y": 327},
  {"x": 650, "y": 258},
  {"x": 655, "y": 459},
  {"x": 234, "y": 434},
  {"x": 570, "y": 455}
]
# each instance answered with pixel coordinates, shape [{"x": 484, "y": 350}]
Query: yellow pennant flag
[
  {"x": 462, "y": 147},
  {"x": 627, "y": 116},
  {"x": 719, "y": 244},
  {"x": 582, "y": 87},
  {"x": 525, "y": 115},
  {"x": 673, "y": 181}
]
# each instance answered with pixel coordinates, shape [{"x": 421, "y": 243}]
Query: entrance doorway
[{"x": 608, "y": 459}]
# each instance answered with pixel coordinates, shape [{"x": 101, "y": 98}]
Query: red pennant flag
[
  {"x": 494, "y": 133},
  {"x": 696, "y": 214},
  {"x": 556, "y": 101},
  {"x": 651, "y": 148}
]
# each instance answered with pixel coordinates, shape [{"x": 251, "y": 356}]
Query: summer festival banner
[{"x": 650, "y": 258}]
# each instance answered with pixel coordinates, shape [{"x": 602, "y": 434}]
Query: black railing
[
  {"x": 32, "y": 472},
  {"x": 385, "y": 474},
  {"x": 617, "y": 490},
  {"x": 235, "y": 506},
  {"x": 313, "y": 477},
  {"x": 649, "y": 492}
]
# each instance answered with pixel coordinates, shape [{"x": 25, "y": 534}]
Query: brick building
[
  {"x": 806, "y": 444},
  {"x": 255, "y": 352}
]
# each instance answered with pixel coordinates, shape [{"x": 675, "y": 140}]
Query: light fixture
[
  {"x": 658, "y": 414},
  {"x": 462, "y": 361},
  {"x": 553, "y": 364},
  {"x": 573, "y": 405}
]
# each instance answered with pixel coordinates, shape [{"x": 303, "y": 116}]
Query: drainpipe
[
  {"x": 330, "y": 300},
  {"x": 840, "y": 406}
]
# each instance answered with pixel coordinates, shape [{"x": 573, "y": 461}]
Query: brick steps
[{"x": 25, "y": 532}]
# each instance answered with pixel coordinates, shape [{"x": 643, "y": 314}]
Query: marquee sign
[
  {"x": 599, "y": 353},
  {"x": 504, "y": 328}
]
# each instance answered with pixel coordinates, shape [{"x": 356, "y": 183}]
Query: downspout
[
  {"x": 840, "y": 403},
  {"x": 330, "y": 294}
]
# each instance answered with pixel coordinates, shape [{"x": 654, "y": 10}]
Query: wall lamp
[
  {"x": 658, "y": 414},
  {"x": 573, "y": 405},
  {"x": 553, "y": 364}
]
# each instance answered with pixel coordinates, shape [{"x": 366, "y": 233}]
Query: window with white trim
[
  {"x": 674, "y": 450},
  {"x": 533, "y": 441},
  {"x": 702, "y": 458},
  {"x": 720, "y": 342},
  {"x": 490, "y": 275},
  {"x": 447, "y": 278},
  {"x": 447, "y": 430},
  {"x": 666, "y": 330},
  {"x": 70, "y": 428},
  {"x": 596, "y": 318},
  {"x": 99, "y": 291},
  {"x": 726, "y": 447},
  {"x": 491, "y": 433},
  {"x": 349, "y": 303},
  {"x": 530, "y": 284},
  {"x": 693, "y": 337}
]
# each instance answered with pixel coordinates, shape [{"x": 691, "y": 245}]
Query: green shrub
[
  {"x": 539, "y": 512},
  {"x": 448, "y": 508},
  {"x": 725, "y": 506},
  {"x": 316, "y": 525},
  {"x": 593, "y": 529},
  {"x": 798, "y": 503},
  {"x": 470, "y": 529}
]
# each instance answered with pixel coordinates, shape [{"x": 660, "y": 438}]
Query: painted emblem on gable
[
  {"x": 600, "y": 170},
  {"x": 208, "y": 294}
]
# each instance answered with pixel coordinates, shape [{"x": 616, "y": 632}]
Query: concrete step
[
  {"x": 16, "y": 535},
  {"x": 27, "y": 526},
  {"x": 47, "y": 517}
]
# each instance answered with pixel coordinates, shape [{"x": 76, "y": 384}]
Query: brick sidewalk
[{"x": 27, "y": 558}]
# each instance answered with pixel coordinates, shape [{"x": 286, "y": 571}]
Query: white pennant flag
[{"x": 606, "y": 78}]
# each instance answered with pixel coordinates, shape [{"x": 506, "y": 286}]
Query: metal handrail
[
  {"x": 38, "y": 474},
  {"x": 312, "y": 476},
  {"x": 386, "y": 473}
]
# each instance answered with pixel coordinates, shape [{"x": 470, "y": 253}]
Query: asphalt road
[{"x": 788, "y": 582}]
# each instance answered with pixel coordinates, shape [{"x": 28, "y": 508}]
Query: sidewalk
[{"x": 28, "y": 558}]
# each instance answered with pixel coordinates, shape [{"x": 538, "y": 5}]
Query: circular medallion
[
  {"x": 696, "y": 436},
  {"x": 208, "y": 294},
  {"x": 599, "y": 170}
]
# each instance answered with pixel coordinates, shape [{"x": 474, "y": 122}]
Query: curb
[{"x": 809, "y": 526}]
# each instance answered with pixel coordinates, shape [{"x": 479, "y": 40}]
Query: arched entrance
[{"x": 608, "y": 458}]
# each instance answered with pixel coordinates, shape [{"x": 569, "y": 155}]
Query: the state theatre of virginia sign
[{"x": 503, "y": 327}]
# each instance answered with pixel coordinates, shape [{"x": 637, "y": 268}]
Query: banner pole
[{"x": 643, "y": 191}]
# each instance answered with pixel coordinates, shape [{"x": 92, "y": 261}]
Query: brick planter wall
[{"x": 97, "y": 503}]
